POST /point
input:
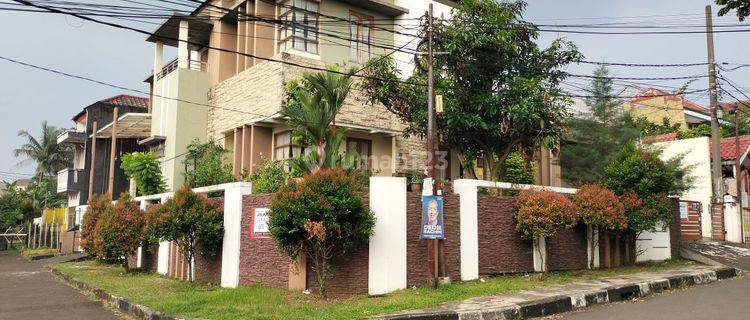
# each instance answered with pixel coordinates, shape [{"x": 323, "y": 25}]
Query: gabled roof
[
  {"x": 127, "y": 100},
  {"x": 729, "y": 147},
  {"x": 649, "y": 93}
]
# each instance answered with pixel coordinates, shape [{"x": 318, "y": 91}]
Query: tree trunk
[
  {"x": 607, "y": 251},
  {"x": 627, "y": 250},
  {"x": 618, "y": 239}
]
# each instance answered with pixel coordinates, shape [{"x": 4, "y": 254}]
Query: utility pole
[
  {"x": 113, "y": 155},
  {"x": 433, "y": 247},
  {"x": 718, "y": 185},
  {"x": 738, "y": 167}
]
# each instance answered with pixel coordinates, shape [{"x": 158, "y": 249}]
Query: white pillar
[
  {"x": 468, "y": 219},
  {"x": 158, "y": 57},
  {"x": 183, "y": 53},
  {"x": 540, "y": 254},
  {"x": 139, "y": 252},
  {"x": 387, "y": 247},
  {"x": 162, "y": 262},
  {"x": 230, "y": 253}
]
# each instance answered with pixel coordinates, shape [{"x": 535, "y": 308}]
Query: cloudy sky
[{"x": 28, "y": 96}]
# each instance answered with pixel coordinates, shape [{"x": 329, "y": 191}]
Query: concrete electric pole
[{"x": 718, "y": 185}]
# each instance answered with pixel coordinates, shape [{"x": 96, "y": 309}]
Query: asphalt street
[
  {"x": 29, "y": 291},
  {"x": 726, "y": 299}
]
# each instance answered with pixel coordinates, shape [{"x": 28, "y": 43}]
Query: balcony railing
[
  {"x": 69, "y": 180},
  {"x": 172, "y": 66}
]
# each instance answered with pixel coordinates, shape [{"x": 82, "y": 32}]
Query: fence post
[
  {"x": 230, "y": 257},
  {"x": 28, "y": 237},
  {"x": 387, "y": 247},
  {"x": 468, "y": 220}
]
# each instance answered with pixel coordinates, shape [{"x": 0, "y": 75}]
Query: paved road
[
  {"x": 28, "y": 291},
  {"x": 727, "y": 299}
]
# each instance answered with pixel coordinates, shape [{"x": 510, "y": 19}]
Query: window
[
  {"x": 360, "y": 35},
  {"x": 299, "y": 29},
  {"x": 285, "y": 148},
  {"x": 363, "y": 148}
]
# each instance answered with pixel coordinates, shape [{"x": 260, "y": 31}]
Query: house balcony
[
  {"x": 72, "y": 136},
  {"x": 70, "y": 180},
  {"x": 170, "y": 67}
]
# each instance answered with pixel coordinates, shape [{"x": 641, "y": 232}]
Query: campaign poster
[
  {"x": 259, "y": 224},
  {"x": 432, "y": 218}
]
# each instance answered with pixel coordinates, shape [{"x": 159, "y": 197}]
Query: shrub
[
  {"x": 600, "y": 207},
  {"x": 542, "y": 214},
  {"x": 654, "y": 210},
  {"x": 143, "y": 167},
  {"x": 204, "y": 165},
  {"x": 189, "y": 220},
  {"x": 322, "y": 218},
  {"x": 98, "y": 206},
  {"x": 153, "y": 225},
  {"x": 269, "y": 176},
  {"x": 517, "y": 170},
  {"x": 120, "y": 230}
]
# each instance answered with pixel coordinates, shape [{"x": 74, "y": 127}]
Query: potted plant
[{"x": 416, "y": 180}]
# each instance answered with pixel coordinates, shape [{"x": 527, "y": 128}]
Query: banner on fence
[{"x": 432, "y": 218}]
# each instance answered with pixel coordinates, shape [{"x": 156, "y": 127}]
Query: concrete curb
[
  {"x": 121, "y": 304},
  {"x": 565, "y": 303}
]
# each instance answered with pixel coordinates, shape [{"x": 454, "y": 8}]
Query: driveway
[
  {"x": 29, "y": 291},
  {"x": 726, "y": 253},
  {"x": 726, "y": 299}
]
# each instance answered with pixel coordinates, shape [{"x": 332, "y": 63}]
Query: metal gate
[{"x": 690, "y": 220}]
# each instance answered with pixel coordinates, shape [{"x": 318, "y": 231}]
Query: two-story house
[
  {"x": 92, "y": 172},
  {"x": 234, "y": 60}
]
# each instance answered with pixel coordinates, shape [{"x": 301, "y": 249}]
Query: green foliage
[
  {"x": 269, "y": 176},
  {"x": 48, "y": 155},
  {"x": 144, "y": 168},
  {"x": 649, "y": 128},
  {"x": 153, "y": 225},
  {"x": 120, "y": 230},
  {"x": 322, "y": 218},
  {"x": 11, "y": 214},
  {"x": 645, "y": 181},
  {"x": 543, "y": 213},
  {"x": 99, "y": 206},
  {"x": 500, "y": 89},
  {"x": 417, "y": 177},
  {"x": 596, "y": 136},
  {"x": 192, "y": 222},
  {"x": 742, "y": 7},
  {"x": 518, "y": 170},
  {"x": 728, "y": 129},
  {"x": 204, "y": 165},
  {"x": 311, "y": 104},
  {"x": 702, "y": 130},
  {"x": 600, "y": 207},
  {"x": 642, "y": 171}
]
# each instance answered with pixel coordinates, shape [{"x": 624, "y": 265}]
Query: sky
[{"x": 28, "y": 96}]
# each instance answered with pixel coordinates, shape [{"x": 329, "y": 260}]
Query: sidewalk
[{"x": 563, "y": 298}]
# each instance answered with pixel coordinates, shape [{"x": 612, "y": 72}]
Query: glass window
[
  {"x": 300, "y": 28},
  {"x": 363, "y": 148},
  {"x": 360, "y": 33},
  {"x": 285, "y": 148}
]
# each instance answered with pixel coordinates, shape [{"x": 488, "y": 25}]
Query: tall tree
[
  {"x": 596, "y": 135},
  {"x": 742, "y": 7},
  {"x": 500, "y": 88},
  {"x": 49, "y": 155}
]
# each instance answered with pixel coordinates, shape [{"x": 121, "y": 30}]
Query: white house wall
[{"x": 696, "y": 153}]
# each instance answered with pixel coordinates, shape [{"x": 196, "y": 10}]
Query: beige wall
[
  {"x": 658, "y": 108},
  {"x": 181, "y": 122}
]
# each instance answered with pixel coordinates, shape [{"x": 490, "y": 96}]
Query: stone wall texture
[
  {"x": 566, "y": 250},
  {"x": 417, "y": 261},
  {"x": 260, "y": 261},
  {"x": 501, "y": 248},
  {"x": 258, "y": 92}
]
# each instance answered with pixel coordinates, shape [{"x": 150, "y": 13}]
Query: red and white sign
[{"x": 259, "y": 223}]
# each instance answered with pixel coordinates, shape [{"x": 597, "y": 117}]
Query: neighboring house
[
  {"x": 655, "y": 105},
  {"x": 78, "y": 182},
  {"x": 697, "y": 154},
  {"x": 236, "y": 100}
]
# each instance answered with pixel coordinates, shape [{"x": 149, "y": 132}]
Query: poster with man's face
[{"x": 432, "y": 218}]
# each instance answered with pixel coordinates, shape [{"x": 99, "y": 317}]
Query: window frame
[
  {"x": 286, "y": 33},
  {"x": 360, "y": 19}
]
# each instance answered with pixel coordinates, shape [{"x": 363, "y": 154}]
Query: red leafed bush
[
  {"x": 98, "y": 206},
  {"x": 120, "y": 230},
  {"x": 543, "y": 213},
  {"x": 600, "y": 207}
]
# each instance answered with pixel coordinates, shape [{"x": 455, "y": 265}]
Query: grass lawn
[
  {"x": 28, "y": 254},
  {"x": 256, "y": 302}
]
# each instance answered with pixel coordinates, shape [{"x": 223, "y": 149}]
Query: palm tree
[
  {"x": 312, "y": 108},
  {"x": 49, "y": 156}
]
